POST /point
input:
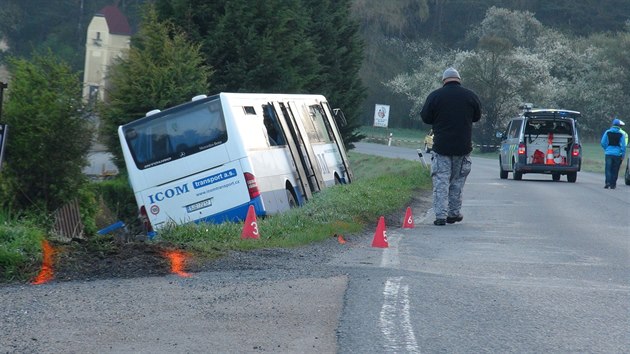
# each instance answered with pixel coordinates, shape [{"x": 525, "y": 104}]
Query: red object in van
[{"x": 538, "y": 157}]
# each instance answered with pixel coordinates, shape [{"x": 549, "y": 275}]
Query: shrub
[
  {"x": 20, "y": 250},
  {"x": 117, "y": 197}
]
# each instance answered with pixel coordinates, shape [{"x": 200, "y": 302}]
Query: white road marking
[
  {"x": 390, "y": 257},
  {"x": 395, "y": 316},
  {"x": 395, "y": 319}
]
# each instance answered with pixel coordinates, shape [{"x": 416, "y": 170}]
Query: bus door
[
  {"x": 331, "y": 125},
  {"x": 298, "y": 116},
  {"x": 295, "y": 143}
]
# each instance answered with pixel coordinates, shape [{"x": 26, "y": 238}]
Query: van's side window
[{"x": 515, "y": 128}]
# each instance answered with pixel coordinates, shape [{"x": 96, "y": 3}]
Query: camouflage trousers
[{"x": 449, "y": 175}]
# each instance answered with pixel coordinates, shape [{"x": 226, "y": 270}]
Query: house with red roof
[{"x": 108, "y": 37}]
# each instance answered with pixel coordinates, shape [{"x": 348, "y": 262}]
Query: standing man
[
  {"x": 614, "y": 144},
  {"x": 451, "y": 110}
]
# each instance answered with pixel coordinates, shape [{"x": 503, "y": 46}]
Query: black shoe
[
  {"x": 606, "y": 186},
  {"x": 454, "y": 219},
  {"x": 439, "y": 222}
]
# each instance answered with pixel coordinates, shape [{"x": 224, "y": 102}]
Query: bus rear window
[{"x": 177, "y": 134}]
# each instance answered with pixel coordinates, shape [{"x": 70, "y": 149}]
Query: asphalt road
[{"x": 535, "y": 267}]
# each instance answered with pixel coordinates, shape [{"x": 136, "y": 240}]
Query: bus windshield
[{"x": 162, "y": 138}]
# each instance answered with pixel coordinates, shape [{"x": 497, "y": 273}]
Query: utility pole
[
  {"x": 3, "y": 85},
  {"x": 3, "y": 127}
]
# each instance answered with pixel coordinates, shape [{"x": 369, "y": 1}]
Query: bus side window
[
  {"x": 272, "y": 134},
  {"x": 322, "y": 131},
  {"x": 271, "y": 124}
]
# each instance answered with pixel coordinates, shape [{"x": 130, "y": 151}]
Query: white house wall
[{"x": 100, "y": 54}]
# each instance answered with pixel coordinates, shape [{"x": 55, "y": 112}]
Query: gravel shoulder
[
  {"x": 262, "y": 301},
  {"x": 269, "y": 300}
]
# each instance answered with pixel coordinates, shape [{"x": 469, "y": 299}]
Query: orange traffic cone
[
  {"x": 250, "y": 227},
  {"x": 549, "y": 160},
  {"x": 408, "y": 222},
  {"x": 380, "y": 236}
]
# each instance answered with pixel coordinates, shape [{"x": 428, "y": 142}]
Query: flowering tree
[
  {"x": 592, "y": 77},
  {"x": 516, "y": 60},
  {"x": 502, "y": 73}
]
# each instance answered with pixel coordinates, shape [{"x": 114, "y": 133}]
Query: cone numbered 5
[{"x": 380, "y": 236}]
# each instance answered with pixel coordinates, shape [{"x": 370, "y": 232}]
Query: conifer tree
[
  {"x": 163, "y": 69},
  {"x": 291, "y": 46},
  {"x": 262, "y": 48},
  {"x": 340, "y": 54}
]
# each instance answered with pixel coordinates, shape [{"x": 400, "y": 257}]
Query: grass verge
[
  {"x": 382, "y": 186},
  {"x": 20, "y": 250}
]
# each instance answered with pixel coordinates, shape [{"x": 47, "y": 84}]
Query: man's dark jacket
[{"x": 451, "y": 110}]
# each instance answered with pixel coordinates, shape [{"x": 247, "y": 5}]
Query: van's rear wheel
[
  {"x": 502, "y": 173},
  {"x": 516, "y": 174},
  {"x": 555, "y": 177},
  {"x": 572, "y": 177}
]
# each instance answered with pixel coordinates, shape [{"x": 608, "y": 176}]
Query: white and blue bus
[{"x": 209, "y": 159}]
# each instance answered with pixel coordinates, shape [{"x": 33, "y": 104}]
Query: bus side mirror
[{"x": 340, "y": 118}]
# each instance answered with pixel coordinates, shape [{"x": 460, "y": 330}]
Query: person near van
[
  {"x": 450, "y": 110},
  {"x": 614, "y": 144}
]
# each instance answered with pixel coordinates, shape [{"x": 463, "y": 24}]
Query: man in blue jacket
[
  {"x": 450, "y": 110},
  {"x": 614, "y": 144}
]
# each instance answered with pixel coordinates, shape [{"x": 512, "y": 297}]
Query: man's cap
[
  {"x": 618, "y": 122},
  {"x": 450, "y": 73}
]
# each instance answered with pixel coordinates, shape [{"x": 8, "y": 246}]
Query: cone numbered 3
[{"x": 250, "y": 227}]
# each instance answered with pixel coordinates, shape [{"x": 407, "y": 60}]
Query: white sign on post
[{"x": 381, "y": 115}]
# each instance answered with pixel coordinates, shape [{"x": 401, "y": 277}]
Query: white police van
[{"x": 541, "y": 141}]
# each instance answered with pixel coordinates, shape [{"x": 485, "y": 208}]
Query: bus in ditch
[{"x": 209, "y": 159}]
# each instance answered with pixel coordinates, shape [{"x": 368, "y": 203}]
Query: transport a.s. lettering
[{"x": 168, "y": 194}]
